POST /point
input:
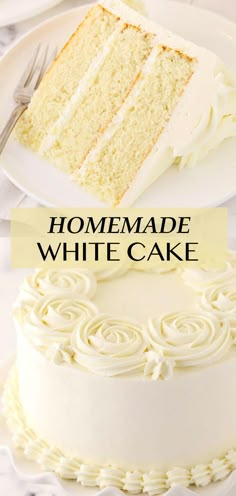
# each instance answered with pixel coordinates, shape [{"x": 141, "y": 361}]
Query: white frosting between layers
[{"x": 153, "y": 482}]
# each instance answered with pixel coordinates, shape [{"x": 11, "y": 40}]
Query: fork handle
[{"x": 12, "y": 121}]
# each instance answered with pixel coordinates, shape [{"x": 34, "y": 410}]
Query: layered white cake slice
[
  {"x": 127, "y": 378},
  {"x": 125, "y": 100}
]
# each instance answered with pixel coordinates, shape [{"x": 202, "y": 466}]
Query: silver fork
[{"x": 29, "y": 82}]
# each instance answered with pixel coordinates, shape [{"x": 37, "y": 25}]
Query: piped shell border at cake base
[{"x": 154, "y": 482}]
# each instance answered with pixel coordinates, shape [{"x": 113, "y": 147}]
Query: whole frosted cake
[
  {"x": 126, "y": 99},
  {"x": 127, "y": 378}
]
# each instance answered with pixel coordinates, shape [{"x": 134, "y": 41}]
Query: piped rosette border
[{"x": 55, "y": 311}]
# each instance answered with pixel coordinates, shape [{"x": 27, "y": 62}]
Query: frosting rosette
[
  {"x": 220, "y": 299},
  {"x": 206, "y": 276},
  {"x": 190, "y": 338},
  {"x": 53, "y": 319},
  {"x": 43, "y": 282},
  {"x": 108, "y": 346},
  {"x": 202, "y": 279}
]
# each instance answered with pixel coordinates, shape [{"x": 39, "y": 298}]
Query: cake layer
[
  {"x": 137, "y": 127},
  {"x": 110, "y": 81},
  {"x": 63, "y": 78}
]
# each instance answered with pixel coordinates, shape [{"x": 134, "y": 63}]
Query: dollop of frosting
[
  {"x": 204, "y": 278},
  {"x": 53, "y": 319},
  {"x": 231, "y": 459},
  {"x": 201, "y": 475},
  {"x": 108, "y": 346},
  {"x": 207, "y": 275},
  {"x": 219, "y": 469},
  {"x": 87, "y": 475},
  {"x": 111, "y": 477},
  {"x": 45, "y": 282},
  {"x": 59, "y": 353},
  {"x": 158, "y": 366},
  {"x": 190, "y": 338},
  {"x": 215, "y": 125},
  {"x": 155, "y": 482},
  {"x": 133, "y": 482},
  {"x": 220, "y": 299},
  {"x": 178, "y": 476}
]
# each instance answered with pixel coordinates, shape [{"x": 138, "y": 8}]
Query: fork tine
[
  {"x": 44, "y": 65},
  {"x": 33, "y": 66},
  {"x": 47, "y": 61},
  {"x": 24, "y": 78}
]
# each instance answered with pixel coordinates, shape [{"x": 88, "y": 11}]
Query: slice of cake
[
  {"x": 125, "y": 100},
  {"x": 127, "y": 378}
]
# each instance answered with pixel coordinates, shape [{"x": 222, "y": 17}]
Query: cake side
[
  {"x": 155, "y": 482},
  {"x": 130, "y": 475}
]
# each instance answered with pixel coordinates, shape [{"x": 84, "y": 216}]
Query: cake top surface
[
  {"x": 162, "y": 34},
  {"x": 128, "y": 322}
]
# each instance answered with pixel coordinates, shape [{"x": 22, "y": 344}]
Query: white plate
[
  {"x": 209, "y": 184},
  {"x": 12, "y": 11}
]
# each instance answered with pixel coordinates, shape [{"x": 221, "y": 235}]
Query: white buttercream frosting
[
  {"x": 70, "y": 329},
  {"x": 108, "y": 346},
  {"x": 44, "y": 282},
  {"x": 158, "y": 366},
  {"x": 220, "y": 299},
  {"x": 53, "y": 319},
  {"x": 190, "y": 338},
  {"x": 205, "y": 276}
]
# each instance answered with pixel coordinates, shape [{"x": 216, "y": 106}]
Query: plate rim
[
  {"x": 229, "y": 24},
  {"x": 33, "y": 12}
]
